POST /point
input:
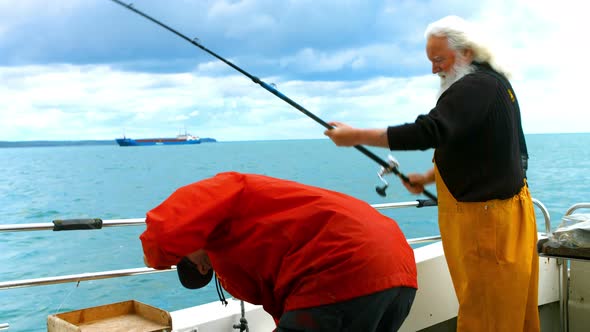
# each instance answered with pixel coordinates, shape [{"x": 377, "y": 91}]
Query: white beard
[{"x": 449, "y": 78}]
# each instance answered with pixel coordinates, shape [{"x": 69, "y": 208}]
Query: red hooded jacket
[{"x": 279, "y": 243}]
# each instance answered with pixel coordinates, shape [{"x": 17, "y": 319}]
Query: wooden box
[{"x": 127, "y": 316}]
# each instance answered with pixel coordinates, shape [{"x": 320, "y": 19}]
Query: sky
[{"x": 92, "y": 69}]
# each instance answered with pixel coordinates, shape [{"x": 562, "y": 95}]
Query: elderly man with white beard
[{"x": 485, "y": 211}]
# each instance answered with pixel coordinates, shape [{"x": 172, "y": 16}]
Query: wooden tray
[{"x": 127, "y": 316}]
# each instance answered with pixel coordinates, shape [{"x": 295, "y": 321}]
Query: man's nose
[{"x": 435, "y": 68}]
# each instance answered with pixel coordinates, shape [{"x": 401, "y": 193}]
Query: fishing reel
[{"x": 393, "y": 165}]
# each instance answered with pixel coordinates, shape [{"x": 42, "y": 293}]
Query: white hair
[{"x": 462, "y": 35}]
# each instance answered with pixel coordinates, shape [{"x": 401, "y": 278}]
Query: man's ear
[{"x": 468, "y": 53}]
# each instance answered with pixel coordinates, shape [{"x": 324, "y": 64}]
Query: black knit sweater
[{"x": 476, "y": 131}]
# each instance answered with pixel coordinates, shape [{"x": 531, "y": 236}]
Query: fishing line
[
  {"x": 387, "y": 167},
  {"x": 67, "y": 297}
]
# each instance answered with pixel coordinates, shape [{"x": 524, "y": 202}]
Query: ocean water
[{"x": 38, "y": 185}]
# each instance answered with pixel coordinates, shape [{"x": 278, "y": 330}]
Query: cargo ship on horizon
[{"x": 183, "y": 139}]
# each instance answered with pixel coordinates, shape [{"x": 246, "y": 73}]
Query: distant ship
[{"x": 178, "y": 140}]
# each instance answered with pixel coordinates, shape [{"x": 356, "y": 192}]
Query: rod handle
[{"x": 76, "y": 224}]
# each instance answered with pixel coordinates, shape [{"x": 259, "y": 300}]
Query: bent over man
[{"x": 315, "y": 259}]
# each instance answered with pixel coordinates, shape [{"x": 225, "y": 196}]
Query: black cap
[{"x": 189, "y": 275}]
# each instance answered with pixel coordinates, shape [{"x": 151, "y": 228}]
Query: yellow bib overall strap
[{"x": 490, "y": 248}]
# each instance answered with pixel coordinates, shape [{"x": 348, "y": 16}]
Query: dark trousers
[{"x": 383, "y": 311}]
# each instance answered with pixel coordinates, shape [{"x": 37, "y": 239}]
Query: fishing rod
[{"x": 386, "y": 167}]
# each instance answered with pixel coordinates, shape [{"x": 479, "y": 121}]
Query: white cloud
[
  {"x": 379, "y": 56},
  {"x": 99, "y": 96},
  {"x": 542, "y": 38},
  {"x": 101, "y": 101}
]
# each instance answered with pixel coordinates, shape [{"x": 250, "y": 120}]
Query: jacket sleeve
[{"x": 183, "y": 222}]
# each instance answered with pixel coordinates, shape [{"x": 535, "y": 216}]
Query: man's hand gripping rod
[{"x": 393, "y": 168}]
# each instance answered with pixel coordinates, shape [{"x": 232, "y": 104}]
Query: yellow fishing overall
[{"x": 490, "y": 249}]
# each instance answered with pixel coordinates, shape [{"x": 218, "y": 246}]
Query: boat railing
[
  {"x": 546, "y": 215},
  {"x": 84, "y": 224},
  {"x": 94, "y": 223},
  {"x": 78, "y": 224},
  {"x": 564, "y": 277},
  {"x": 577, "y": 207}
]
